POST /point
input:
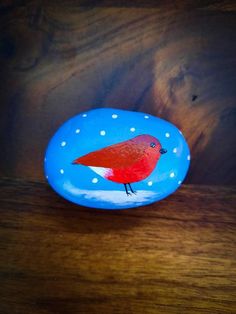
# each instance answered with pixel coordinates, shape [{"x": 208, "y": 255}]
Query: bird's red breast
[{"x": 126, "y": 162}]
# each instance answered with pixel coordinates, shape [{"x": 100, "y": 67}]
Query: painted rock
[{"x": 115, "y": 159}]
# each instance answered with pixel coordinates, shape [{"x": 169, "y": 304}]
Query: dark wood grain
[
  {"x": 176, "y": 256},
  {"x": 173, "y": 59}
]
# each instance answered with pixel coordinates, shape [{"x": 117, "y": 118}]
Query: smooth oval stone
[{"x": 115, "y": 159}]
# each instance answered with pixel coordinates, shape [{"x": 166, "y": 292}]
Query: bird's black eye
[{"x": 152, "y": 145}]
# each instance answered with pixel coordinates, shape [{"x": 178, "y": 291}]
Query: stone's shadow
[{"x": 82, "y": 219}]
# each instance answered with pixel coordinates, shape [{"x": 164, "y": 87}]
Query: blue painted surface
[{"x": 96, "y": 129}]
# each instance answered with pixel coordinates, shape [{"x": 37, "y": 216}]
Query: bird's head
[{"x": 150, "y": 145}]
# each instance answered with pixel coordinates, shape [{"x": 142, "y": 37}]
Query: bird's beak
[{"x": 163, "y": 150}]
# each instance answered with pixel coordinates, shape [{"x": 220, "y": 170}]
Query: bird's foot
[
  {"x": 128, "y": 194},
  {"x": 134, "y": 192}
]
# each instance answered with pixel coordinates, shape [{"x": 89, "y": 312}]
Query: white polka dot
[
  {"x": 146, "y": 117},
  {"x": 45, "y": 159},
  {"x": 61, "y": 171},
  {"x": 84, "y": 115},
  {"x": 172, "y": 174},
  {"x": 102, "y": 132},
  {"x": 175, "y": 150},
  {"x": 180, "y": 132},
  {"x": 77, "y": 131},
  {"x": 95, "y": 180},
  {"x": 46, "y": 177},
  {"x": 188, "y": 157},
  {"x": 179, "y": 182},
  {"x": 167, "y": 134},
  {"x": 114, "y": 116},
  {"x": 132, "y": 129},
  {"x": 63, "y": 143},
  {"x": 149, "y": 183}
]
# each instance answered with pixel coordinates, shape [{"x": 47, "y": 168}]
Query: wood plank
[
  {"x": 172, "y": 59},
  {"x": 175, "y": 256}
]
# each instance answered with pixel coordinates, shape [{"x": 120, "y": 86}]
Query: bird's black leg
[
  {"x": 126, "y": 190},
  {"x": 134, "y": 192}
]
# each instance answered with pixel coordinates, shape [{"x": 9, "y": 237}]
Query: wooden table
[{"x": 176, "y": 256}]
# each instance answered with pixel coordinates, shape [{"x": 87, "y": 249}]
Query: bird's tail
[{"x": 76, "y": 161}]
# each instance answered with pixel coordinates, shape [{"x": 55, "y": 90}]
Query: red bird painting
[{"x": 126, "y": 162}]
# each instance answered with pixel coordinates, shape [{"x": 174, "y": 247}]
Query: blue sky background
[{"x": 95, "y": 129}]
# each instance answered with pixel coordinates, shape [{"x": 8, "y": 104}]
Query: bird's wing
[{"x": 114, "y": 156}]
